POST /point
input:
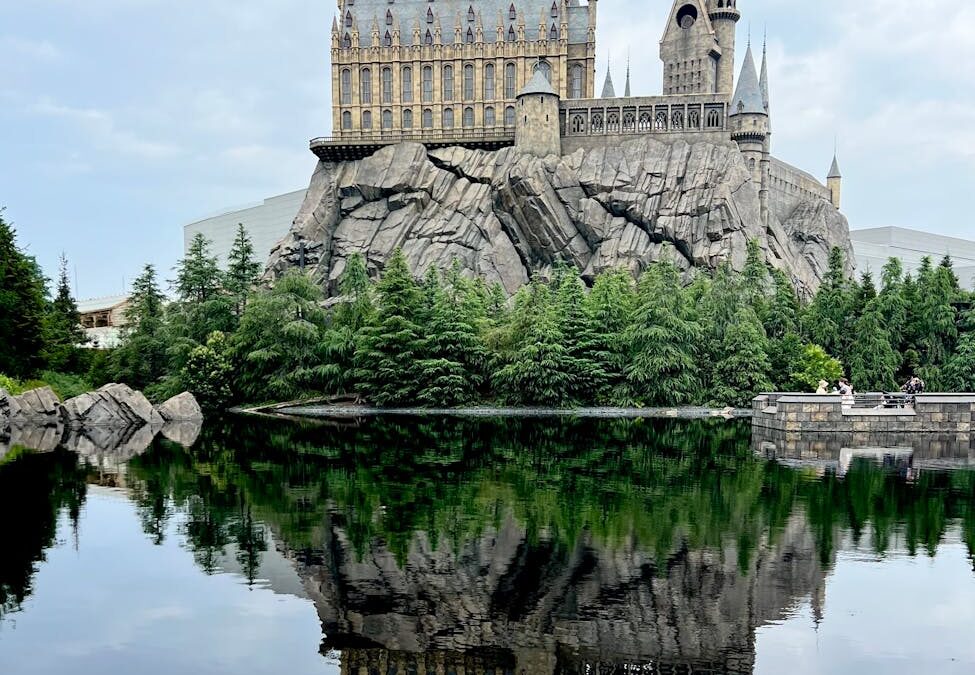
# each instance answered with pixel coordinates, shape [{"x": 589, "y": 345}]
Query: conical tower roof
[
  {"x": 834, "y": 170},
  {"x": 539, "y": 84},
  {"x": 609, "y": 91},
  {"x": 748, "y": 95},
  {"x": 627, "y": 90},
  {"x": 763, "y": 79}
]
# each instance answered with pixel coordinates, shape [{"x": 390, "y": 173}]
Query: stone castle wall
[{"x": 789, "y": 187}]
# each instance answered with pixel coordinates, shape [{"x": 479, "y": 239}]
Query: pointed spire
[
  {"x": 748, "y": 95},
  {"x": 627, "y": 90},
  {"x": 609, "y": 91},
  {"x": 763, "y": 79},
  {"x": 834, "y": 170}
]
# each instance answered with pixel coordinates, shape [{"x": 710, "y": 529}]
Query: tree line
[{"x": 448, "y": 339}]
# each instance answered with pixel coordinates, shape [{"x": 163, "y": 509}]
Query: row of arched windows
[
  {"x": 426, "y": 118},
  {"x": 613, "y": 122},
  {"x": 448, "y": 83}
]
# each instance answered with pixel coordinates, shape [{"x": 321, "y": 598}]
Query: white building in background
[
  {"x": 103, "y": 320},
  {"x": 875, "y": 246},
  {"x": 266, "y": 223}
]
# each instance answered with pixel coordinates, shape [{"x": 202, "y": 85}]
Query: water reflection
[{"x": 538, "y": 546}]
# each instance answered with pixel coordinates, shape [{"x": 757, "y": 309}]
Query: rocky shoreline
[{"x": 115, "y": 416}]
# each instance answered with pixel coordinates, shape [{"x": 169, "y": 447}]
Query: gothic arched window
[
  {"x": 365, "y": 86},
  {"x": 489, "y": 120},
  {"x": 347, "y": 41},
  {"x": 387, "y": 119},
  {"x": 448, "y": 83},
  {"x": 693, "y": 120},
  {"x": 429, "y": 15},
  {"x": 345, "y": 86},
  {"x": 578, "y": 124},
  {"x": 575, "y": 82},
  {"x": 660, "y": 121},
  {"x": 468, "y": 120},
  {"x": 596, "y": 126},
  {"x": 555, "y": 10},
  {"x": 510, "y": 81},
  {"x": 512, "y": 13},
  {"x": 387, "y": 40},
  {"x": 428, "y": 38},
  {"x": 645, "y": 121},
  {"x": 389, "y": 17},
  {"x": 546, "y": 69},
  {"x": 468, "y": 82},
  {"x": 511, "y": 35},
  {"x": 366, "y": 119},
  {"x": 470, "y": 36},
  {"x": 612, "y": 123},
  {"x": 406, "y": 85},
  {"x": 346, "y": 120},
  {"x": 427, "y": 118},
  {"x": 509, "y": 116},
  {"x": 470, "y": 14},
  {"x": 714, "y": 119},
  {"x": 489, "y": 82},
  {"x": 387, "y": 84},
  {"x": 407, "y": 119},
  {"x": 629, "y": 122},
  {"x": 553, "y": 33},
  {"x": 348, "y": 19},
  {"x": 448, "y": 118},
  {"x": 677, "y": 120},
  {"x": 427, "y": 84}
]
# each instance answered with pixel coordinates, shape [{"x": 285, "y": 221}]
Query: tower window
[
  {"x": 489, "y": 117},
  {"x": 489, "y": 82},
  {"x": 686, "y": 16},
  {"x": 407, "y": 119},
  {"x": 407, "y": 85},
  {"x": 509, "y": 116},
  {"x": 470, "y": 14},
  {"x": 512, "y": 13}
]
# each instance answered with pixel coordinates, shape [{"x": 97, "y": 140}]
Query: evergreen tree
[
  {"x": 198, "y": 277},
  {"x": 539, "y": 372},
  {"x": 280, "y": 341},
  {"x": 937, "y": 329},
  {"x": 784, "y": 354},
  {"x": 242, "y": 270},
  {"x": 755, "y": 277},
  {"x": 959, "y": 372},
  {"x": 743, "y": 369},
  {"x": 386, "y": 357},
  {"x": 782, "y": 314},
  {"x": 354, "y": 312},
  {"x": 609, "y": 307},
  {"x": 63, "y": 333},
  {"x": 580, "y": 333},
  {"x": 140, "y": 359},
  {"x": 826, "y": 322},
  {"x": 22, "y": 308},
  {"x": 663, "y": 338},
  {"x": 890, "y": 302},
  {"x": 873, "y": 361},
  {"x": 208, "y": 373}
]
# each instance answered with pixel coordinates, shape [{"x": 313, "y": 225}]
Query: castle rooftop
[{"x": 538, "y": 84}]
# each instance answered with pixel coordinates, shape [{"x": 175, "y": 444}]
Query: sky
[{"x": 123, "y": 120}]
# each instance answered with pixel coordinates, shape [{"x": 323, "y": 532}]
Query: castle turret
[
  {"x": 750, "y": 128},
  {"x": 834, "y": 182},
  {"x": 724, "y": 19},
  {"x": 537, "y": 118},
  {"x": 626, "y": 91}
]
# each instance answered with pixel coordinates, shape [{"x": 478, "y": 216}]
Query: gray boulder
[
  {"x": 183, "y": 433},
  {"x": 181, "y": 408},
  {"x": 40, "y": 407},
  {"x": 113, "y": 405}
]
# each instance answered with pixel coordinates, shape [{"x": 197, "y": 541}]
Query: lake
[{"x": 460, "y": 546}]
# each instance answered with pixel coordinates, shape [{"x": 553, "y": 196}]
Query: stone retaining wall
[{"x": 805, "y": 413}]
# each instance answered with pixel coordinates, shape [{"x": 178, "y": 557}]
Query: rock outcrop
[
  {"x": 39, "y": 407},
  {"x": 507, "y": 216},
  {"x": 181, "y": 408},
  {"x": 114, "y": 405}
]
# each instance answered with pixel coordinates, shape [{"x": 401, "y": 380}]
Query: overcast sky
[{"x": 122, "y": 120}]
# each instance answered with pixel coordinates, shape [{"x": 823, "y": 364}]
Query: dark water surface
[{"x": 406, "y": 546}]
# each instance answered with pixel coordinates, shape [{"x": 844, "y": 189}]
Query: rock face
[
  {"x": 182, "y": 408},
  {"x": 37, "y": 407},
  {"x": 507, "y": 216},
  {"x": 114, "y": 405}
]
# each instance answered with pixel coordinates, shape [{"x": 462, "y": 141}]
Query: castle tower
[
  {"x": 750, "y": 128},
  {"x": 537, "y": 118},
  {"x": 690, "y": 51},
  {"x": 834, "y": 182},
  {"x": 724, "y": 18}
]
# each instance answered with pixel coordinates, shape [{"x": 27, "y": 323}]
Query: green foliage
[
  {"x": 208, "y": 373},
  {"x": 742, "y": 372},
  {"x": 22, "y": 307},
  {"x": 815, "y": 365},
  {"x": 242, "y": 270},
  {"x": 66, "y": 385},
  {"x": 141, "y": 359},
  {"x": 873, "y": 361},
  {"x": 63, "y": 334}
]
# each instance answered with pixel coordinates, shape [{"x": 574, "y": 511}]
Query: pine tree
[
  {"x": 890, "y": 302},
  {"x": 782, "y": 315},
  {"x": 937, "y": 319},
  {"x": 579, "y": 332},
  {"x": 873, "y": 361},
  {"x": 242, "y": 270},
  {"x": 198, "y": 277},
  {"x": 826, "y": 322},
  {"x": 62, "y": 326},
  {"x": 140, "y": 360},
  {"x": 22, "y": 308},
  {"x": 959, "y": 372},
  {"x": 609, "y": 307},
  {"x": 755, "y": 277},
  {"x": 280, "y": 341},
  {"x": 540, "y": 370},
  {"x": 743, "y": 369},
  {"x": 354, "y": 312},
  {"x": 386, "y": 357},
  {"x": 663, "y": 339}
]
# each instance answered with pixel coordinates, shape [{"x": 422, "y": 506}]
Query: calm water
[{"x": 460, "y": 547}]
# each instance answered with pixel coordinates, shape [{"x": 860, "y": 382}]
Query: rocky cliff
[{"x": 507, "y": 215}]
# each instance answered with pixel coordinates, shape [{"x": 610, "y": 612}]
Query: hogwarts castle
[{"x": 472, "y": 131}]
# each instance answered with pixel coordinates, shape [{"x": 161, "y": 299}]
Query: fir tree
[
  {"x": 663, "y": 339},
  {"x": 354, "y": 312},
  {"x": 63, "y": 333},
  {"x": 873, "y": 361},
  {"x": 140, "y": 359},
  {"x": 826, "y": 322},
  {"x": 782, "y": 315},
  {"x": 959, "y": 372},
  {"x": 579, "y": 332},
  {"x": 609, "y": 307},
  {"x": 743, "y": 369},
  {"x": 242, "y": 270},
  {"x": 22, "y": 308},
  {"x": 198, "y": 277},
  {"x": 890, "y": 302},
  {"x": 386, "y": 358}
]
